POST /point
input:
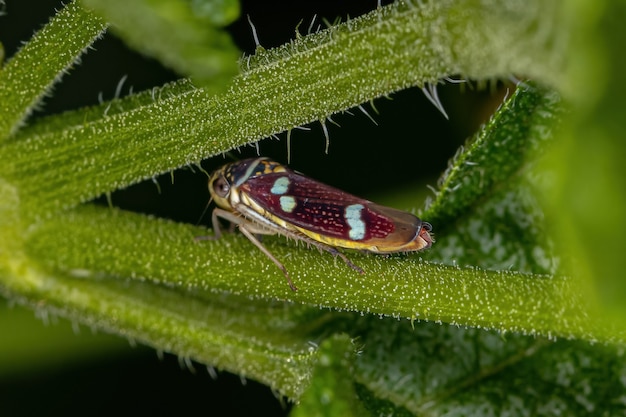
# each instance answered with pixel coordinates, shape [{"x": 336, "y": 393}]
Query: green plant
[{"x": 532, "y": 226}]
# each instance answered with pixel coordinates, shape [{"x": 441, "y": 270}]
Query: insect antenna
[{"x": 204, "y": 211}]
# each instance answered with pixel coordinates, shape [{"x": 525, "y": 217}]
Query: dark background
[{"x": 411, "y": 144}]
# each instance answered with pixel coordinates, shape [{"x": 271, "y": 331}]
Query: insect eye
[{"x": 221, "y": 187}]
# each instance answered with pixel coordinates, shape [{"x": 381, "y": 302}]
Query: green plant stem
[
  {"x": 397, "y": 286},
  {"x": 28, "y": 75}
]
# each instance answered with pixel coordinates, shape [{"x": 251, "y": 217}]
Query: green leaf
[
  {"x": 437, "y": 370},
  {"x": 180, "y": 33},
  {"x": 486, "y": 207}
]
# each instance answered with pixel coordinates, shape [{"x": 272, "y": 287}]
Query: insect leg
[
  {"x": 294, "y": 234},
  {"x": 247, "y": 233},
  {"x": 333, "y": 251},
  {"x": 217, "y": 228},
  {"x": 249, "y": 230}
]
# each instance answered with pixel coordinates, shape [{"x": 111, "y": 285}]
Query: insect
[{"x": 262, "y": 196}]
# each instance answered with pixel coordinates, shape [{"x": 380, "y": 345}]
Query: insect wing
[
  {"x": 410, "y": 233},
  {"x": 320, "y": 208}
]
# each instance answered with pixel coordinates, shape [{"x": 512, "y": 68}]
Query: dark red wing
[{"x": 317, "y": 207}]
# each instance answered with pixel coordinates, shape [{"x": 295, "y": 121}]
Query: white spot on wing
[
  {"x": 354, "y": 220},
  {"x": 280, "y": 186},
  {"x": 287, "y": 203}
]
